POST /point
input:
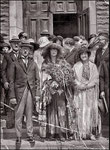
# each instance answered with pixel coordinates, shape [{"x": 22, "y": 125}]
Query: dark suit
[
  {"x": 7, "y": 61},
  {"x": 20, "y": 77},
  {"x": 24, "y": 86},
  {"x": 104, "y": 79},
  {"x": 99, "y": 57},
  {"x": 71, "y": 57}
]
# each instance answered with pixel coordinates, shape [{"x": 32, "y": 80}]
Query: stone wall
[
  {"x": 4, "y": 19},
  {"x": 102, "y": 16}
]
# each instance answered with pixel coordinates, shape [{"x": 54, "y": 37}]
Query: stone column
[
  {"x": 93, "y": 25},
  {"x": 16, "y": 17},
  {"x": 91, "y": 4}
]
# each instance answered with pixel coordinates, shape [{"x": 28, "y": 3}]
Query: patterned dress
[{"x": 57, "y": 80}]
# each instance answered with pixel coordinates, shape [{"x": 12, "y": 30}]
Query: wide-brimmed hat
[
  {"x": 83, "y": 50},
  {"x": 45, "y": 32},
  {"x": 15, "y": 39},
  {"x": 47, "y": 49},
  {"x": 43, "y": 41},
  {"x": 26, "y": 44},
  {"x": 5, "y": 45}
]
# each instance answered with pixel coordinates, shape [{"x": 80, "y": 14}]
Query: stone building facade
[{"x": 12, "y": 16}]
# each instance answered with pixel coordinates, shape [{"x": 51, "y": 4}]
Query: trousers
[{"x": 25, "y": 105}]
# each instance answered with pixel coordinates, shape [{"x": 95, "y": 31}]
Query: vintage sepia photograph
[{"x": 54, "y": 74}]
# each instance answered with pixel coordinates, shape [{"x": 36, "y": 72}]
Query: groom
[{"x": 24, "y": 90}]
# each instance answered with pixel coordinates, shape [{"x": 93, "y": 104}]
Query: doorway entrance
[{"x": 65, "y": 25}]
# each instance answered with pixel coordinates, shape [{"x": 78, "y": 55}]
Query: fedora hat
[
  {"x": 45, "y": 32},
  {"x": 43, "y": 41},
  {"x": 26, "y": 44},
  {"x": 47, "y": 49},
  {"x": 15, "y": 39}
]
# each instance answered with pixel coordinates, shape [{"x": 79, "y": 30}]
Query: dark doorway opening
[{"x": 65, "y": 25}]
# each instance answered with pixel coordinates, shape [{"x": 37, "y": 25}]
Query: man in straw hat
[
  {"x": 7, "y": 60},
  {"x": 26, "y": 83}
]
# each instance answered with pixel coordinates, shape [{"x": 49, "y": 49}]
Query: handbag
[{"x": 102, "y": 105}]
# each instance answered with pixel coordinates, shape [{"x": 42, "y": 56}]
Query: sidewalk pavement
[{"x": 102, "y": 143}]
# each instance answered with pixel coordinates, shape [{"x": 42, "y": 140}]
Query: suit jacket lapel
[
  {"x": 21, "y": 63},
  {"x": 12, "y": 56},
  {"x": 29, "y": 63},
  {"x": 105, "y": 53}
]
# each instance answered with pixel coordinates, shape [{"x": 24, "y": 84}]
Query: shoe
[
  {"x": 31, "y": 140},
  {"x": 18, "y": 143},
  {"x": 93, "y": 137},
  {"x": 62, "y": 139}
]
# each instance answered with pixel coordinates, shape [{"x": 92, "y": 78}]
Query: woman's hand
[
  {"x": 81, "y": 87},
  {"x": 54, "y": 84}
]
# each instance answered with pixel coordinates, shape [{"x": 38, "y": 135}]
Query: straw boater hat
[
  {"x": 84, "y": 50},
  {"x": 15, "y": 39},
  {"x": 52, "y": 46}
]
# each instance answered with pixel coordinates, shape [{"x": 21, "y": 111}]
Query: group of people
[{"x": 61, "y": 78}]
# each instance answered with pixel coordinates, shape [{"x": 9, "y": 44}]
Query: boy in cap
[
  {"x": 24, "y": 90},
  {"x": 22, "y": 36},
  {"x": 7, "y": 60}
]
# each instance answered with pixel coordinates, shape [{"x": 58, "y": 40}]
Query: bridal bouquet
[{"x": 62, "y": 73}]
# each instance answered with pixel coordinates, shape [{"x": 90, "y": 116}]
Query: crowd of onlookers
[{"x": 71, "y": 72}]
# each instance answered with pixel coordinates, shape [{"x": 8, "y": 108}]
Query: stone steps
[{"x": 11, "y": 134}]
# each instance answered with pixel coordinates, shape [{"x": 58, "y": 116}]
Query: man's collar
[{"x": 15, "y": 52}]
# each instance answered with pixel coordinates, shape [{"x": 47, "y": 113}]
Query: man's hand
[
  {"x": 37, "y": 98},
  {"x": 13, "y": 101},
  {"x": 6, "y": 85},
  {"x": 102, "y": 94}
]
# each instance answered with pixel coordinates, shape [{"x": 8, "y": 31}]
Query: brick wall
[
  {"x": 102, "y": 16},
  {"x": 4, "y": 19}
]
